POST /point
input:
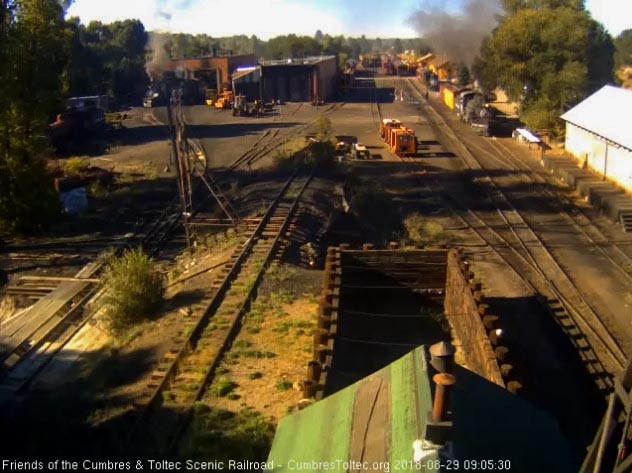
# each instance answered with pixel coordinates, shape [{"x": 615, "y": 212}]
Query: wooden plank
[
  {"x": 41, "y": 312},
  {"x": 57, "y": 278}
]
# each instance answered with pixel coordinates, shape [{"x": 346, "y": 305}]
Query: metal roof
[
  {"x": 605, "y": 113},
  {"x": 377, "y": 419},
  {"x": 310, "y": 60}
]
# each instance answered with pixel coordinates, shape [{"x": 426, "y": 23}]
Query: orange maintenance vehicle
[
  {"x": 399, "y": 138},
  {"x": 386, "y": 125}
]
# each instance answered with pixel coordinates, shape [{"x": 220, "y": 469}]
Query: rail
[
  {"x": 245, "y": 271},
  {"x": 544, "y": 282}
]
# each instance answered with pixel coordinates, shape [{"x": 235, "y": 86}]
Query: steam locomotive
[{"x": 193, "y": 91}]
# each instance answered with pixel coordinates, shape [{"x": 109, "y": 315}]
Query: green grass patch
[
  {"x": 242, "y": 344},
  {"x": 259, "y": 354},
  {"x": 283, "y": 384},
  {"x": 224, "y": 435},
  {"x": 223, "y": 387}
]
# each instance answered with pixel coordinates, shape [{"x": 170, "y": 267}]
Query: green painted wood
[
  {"x": 318, "y": 434},
  {"x": 403, "y": 416}
]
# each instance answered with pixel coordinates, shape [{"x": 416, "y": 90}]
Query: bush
[
  {"x": 323, "y": 128},
  {"x": 422, "y": 231},
  {"x": 542, "y": 116},
  {"x": 414, "y": 226},
  {"x": 133, "y": 290},
  {"x": 76, "y": 166},
  {"x": 374, "y": 206},
  {"x": 28, "y": 200}
]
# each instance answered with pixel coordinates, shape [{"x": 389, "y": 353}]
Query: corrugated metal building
[
  {"x": 373, "y": 424},
  {"x": 599, "y": 136},
  {"x": 290, "y": 80}
]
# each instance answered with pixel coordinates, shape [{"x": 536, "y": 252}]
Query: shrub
[
  {"x": 323, "y": 128},
  {"x": 542, "y": 116},
  {"x": 414, "y": 225},
  {"x": 422, "y": 231},
  {"x": 28, "y": 200},
  {"x": 76, "y": 166},
  {"x": 133, "y": 289},
  {"x": 373, "y": 205}
]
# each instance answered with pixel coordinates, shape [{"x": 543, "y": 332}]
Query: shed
[
  {"x": 299, "y": 80},
  {"x": 598, "y": 134},
  {"x": 442, "y": 66},
  {"x": 371, "y": 426}
]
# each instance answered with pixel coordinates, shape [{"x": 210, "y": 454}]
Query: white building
[{"x": 599, "y": 134}]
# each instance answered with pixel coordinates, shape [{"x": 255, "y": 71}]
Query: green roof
[{"x": 375, "y": 421}]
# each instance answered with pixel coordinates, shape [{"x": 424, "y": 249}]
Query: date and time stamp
[{"x": 426, "y": 465}]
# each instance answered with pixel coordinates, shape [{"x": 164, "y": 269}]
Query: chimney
[
  {"x": 440, "y": 406},
  {"x": 442, "y": 357},
  {"x": 438, "y": 426}
]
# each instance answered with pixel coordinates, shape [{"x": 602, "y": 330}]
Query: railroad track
[
  {"x": 592, "y": 234},
  {"x": 518, "y": 244},
  {"x": 188, "y": 367},
  {"x": 271, "y": 140},
  {"x": 32, "y": 339}
]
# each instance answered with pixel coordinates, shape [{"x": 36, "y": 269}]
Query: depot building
[{"x": 598, "y": 134}]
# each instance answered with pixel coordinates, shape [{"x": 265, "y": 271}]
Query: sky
[{"x": 269, "y": 18}]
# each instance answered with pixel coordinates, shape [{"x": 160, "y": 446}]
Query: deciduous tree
[{"x": 548, "y": 59}]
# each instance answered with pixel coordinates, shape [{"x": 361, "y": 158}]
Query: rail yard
[{"x": 278, "y": 296}]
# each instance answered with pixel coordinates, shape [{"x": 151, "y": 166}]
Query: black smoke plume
[{"x": 457, "y": 35}]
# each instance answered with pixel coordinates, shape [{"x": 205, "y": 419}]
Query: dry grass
[{"x": 265, "y": 383}]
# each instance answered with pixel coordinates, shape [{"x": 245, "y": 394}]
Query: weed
[
  {"x": 223, "y": 387},
  {"x": 76, "y": 166},
  {"x": 283, "y": 384},
  {"x": 200, "y": 408},
  {"x": 283, "y": 327},
  {"x": 283, "y": 296},
  {"x": 151, "y": 173},
  {"x": 133, "y": 289},
  {"x": 221, "y": 370},
  {"x": 422, "y": 231},
  {"x": 242, "y": 344},
  {"x": 233, "y": 396},
  {"x": 279, "y": 273},
  {"x": 255, "y": 375},
  {"x": 414, "y": 225},
  {"x": 253, "y": 330},
  {"x": 224, "y": 435},
  {"x": 258, "y": 354}
]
